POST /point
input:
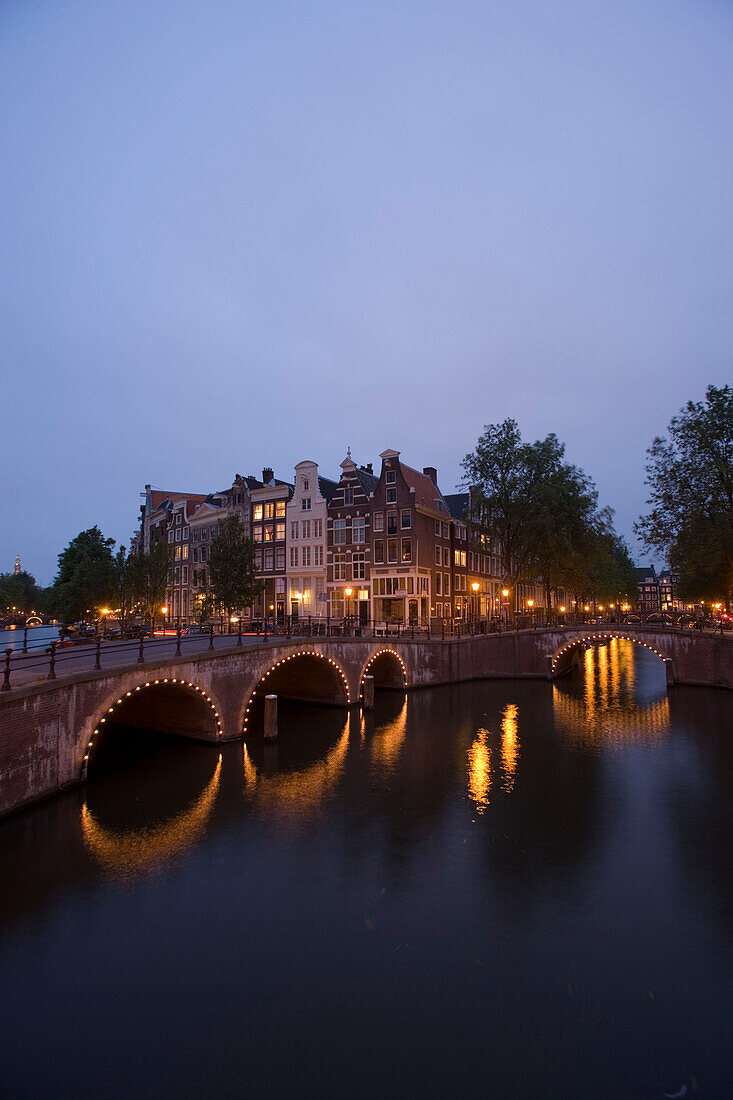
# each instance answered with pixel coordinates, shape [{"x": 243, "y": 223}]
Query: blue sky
[{"x": 238, "y": 235}]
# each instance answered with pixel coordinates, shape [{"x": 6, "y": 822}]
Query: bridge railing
[{"x": 44, "y": 661}]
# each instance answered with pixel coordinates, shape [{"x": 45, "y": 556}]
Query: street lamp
[{"x": 505, "y": 594}]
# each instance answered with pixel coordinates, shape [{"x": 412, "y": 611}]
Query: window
[
  {"x": 269, "y": 559},
  {"x": 269, "y": 531},
  {"x": 171, "y": 536},
  {"x": 358, "y": 566},
  {"x": 270, "y": 510},
  {"x": 378, "y": 550},
  {"x": 279, "y": 532},
  {"x": 185, "y": 532},
  {"x": 391, "y": 496},
  {"x": 339, "y": 531},
  {"x": 439, "y": 609},
  {"x": 406, "y": 519},
  {"x": 195, "y": 578},
  {"x": 438, "y": 555},
  {"x": 195, "y": 555},
  {"x": 456, "y": 557},
  {"x": 258, "y": 561},
  {"x": 391, "y": 523},
  {"x": 257, "y": 511},
  {"x": 446, "y": 584},
  {"x": 280, "y": 558},
  {"x": 213, "y": 531},
  {"x": 178, "y": 575},
  {"x": 204, "y": 534},
  {"x": 306, "y": 528},
  {"x": 179, "y": 517},
  {"x": 184, "y": 555},
  {"x": 306, "y": 555},
  {"x": 257, "y": 534},
  {"x": 445, "y": 530},
  {"x": 280, "y": 510},
  {"x": 438, "y": 584},
  {"x": 203, "y": 553},
  {"x": 391, "y": 550},
  {"x": 317, "y": 529},
  {"x": 293, "y": 557},
  {"x": 390, "y": 477},
  {"x": 339, "y": 567},
  {"x": 446, "y": 556},
  {"x": 318, "y": 555},
  {"x": 294, "y": 530},
  {"x": 379, "y": 521},
  {"x": 178, "y": 536},
  {"x": 463, "y": 558},
  {"x": 358, "y": 529},
  {"x": 178, "y": 553},
  {"x": 306, "y": 484},
  {"x": 437, "y": 528},
  {"x": 184, "y": 575},
  {"x": 406, "y": 550},
  {"x": 348, "y": 496},
  {"x": 305, "y": 504}
]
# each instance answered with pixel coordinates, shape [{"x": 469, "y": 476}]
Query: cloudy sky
[{"x": 243, "y": 234}]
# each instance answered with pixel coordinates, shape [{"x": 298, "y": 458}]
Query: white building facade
[{"x": 307, "y": 531}]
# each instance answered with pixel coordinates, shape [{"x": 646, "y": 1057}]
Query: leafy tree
[
  {"x": 149, "y": 580},
  {"x": 128, "y": 588},
  {"x": 541, "y": 512},
  {"x": 690, "y": 476},
  {"x": 232, "y": 567},
  {"x": 86, "y": 576},
  {"x": 19, "y": 590}
]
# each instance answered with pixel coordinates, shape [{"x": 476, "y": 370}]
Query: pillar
[
  {"x": 368, "y": 693},
  {"x": 271, "y": 718}
]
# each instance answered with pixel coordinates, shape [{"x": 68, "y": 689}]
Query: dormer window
[
  {"x": 306, "y": 484},
  {"x": 390, "y": 477}
]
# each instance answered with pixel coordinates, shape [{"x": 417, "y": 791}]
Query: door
[{"x": 363, "y": 612}]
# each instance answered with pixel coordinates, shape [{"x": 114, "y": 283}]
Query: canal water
[{"x": 504, "y": 889}]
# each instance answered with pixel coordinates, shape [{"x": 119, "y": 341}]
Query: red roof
[
  {"x": 426, "y": 493},
  {"x": 158, "y": 496}
]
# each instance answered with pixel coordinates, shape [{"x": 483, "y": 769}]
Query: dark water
[{"x": 504, "y": 889}]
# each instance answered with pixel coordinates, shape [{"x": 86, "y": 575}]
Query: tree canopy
[
  {"x": 232, "y": 567},
  {"x": 85, "y": 581},
  {"x": 542, "y": 514},
  {"x": 690, "y": 477}
]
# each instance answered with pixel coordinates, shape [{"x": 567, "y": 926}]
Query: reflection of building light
[
  {"x": 509, "y": 744},
  {"x": 142, "y": 849},
  {"x": 479, "y": 770},
  {"x": 297, "y": 794},
  {"x": 387, "y": 740}
]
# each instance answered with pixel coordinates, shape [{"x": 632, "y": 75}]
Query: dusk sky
[{"x": 244, "y": 234}]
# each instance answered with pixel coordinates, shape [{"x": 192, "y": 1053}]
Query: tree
[
  {"x": 128, "y": 589},
  {"x": 86, "y": 576},
  {"x": 150, "y": 573},
  {"x": 690, "y": 476},
  {"x": 19, "y": 590},
  {"x": 232, "y": 567},
  {"x": 541, "y": 512}
]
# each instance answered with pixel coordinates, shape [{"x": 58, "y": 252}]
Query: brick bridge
[{"x": 48, "y": 729}]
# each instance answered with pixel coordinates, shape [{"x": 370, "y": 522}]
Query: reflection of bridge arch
[
  {"x": 306, "y": 676},
  {"x": 591, "y": 725},
  {"x": 297, "y": 794},
  {"x": 584, "y": 638},
  {"x": 34, "y": 620},
  {"x": 139, "y": 849},
  {"x": 387, "y": 668},
  {"x": 162, "y": 704}
]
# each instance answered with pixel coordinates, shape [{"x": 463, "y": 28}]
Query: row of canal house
[{"x": 387, "y": 547}]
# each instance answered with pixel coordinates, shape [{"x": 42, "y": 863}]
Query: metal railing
[{"x": 47, "y": 660}]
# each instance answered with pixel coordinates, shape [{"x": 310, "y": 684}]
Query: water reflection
[
  {"x": 277, "y": 788},
  {"x": 607, "y": 707},
  {"x": 130, "y": 851},
  {"x": 386, "y": 743},
  {"x": 509, "y": 744},
  {"x": 480, "y": 756}
]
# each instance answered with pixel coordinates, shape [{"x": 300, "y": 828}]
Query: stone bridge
[{"x": 48, "y": 730}]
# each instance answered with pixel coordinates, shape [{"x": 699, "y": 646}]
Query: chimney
[
  {"x": 267, "y": 475},
  {"x": 432, "y": 473},
  {"x": 368, "y": 468}
]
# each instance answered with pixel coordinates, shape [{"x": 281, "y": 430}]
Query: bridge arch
[
  {"x": 387, "y": 668},
  {"x": 305, "y": 676},
  {"x": 165, "y": 704},
  {"x": 592, "y": 638}
]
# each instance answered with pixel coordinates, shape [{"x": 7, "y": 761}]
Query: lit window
[
  {"x": 257, "y": 512},
  {"x": 280, "y": 510},
  {"x": 406, "y": 550}
]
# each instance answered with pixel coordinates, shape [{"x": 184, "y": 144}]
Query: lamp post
[
  {"x": 475, "y": 586},
  {"x": 530, "y": 605},
  {"x": 348, "y": 592},
  {"x": 505, "y": 604}
]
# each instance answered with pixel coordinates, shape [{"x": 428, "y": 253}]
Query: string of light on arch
[
  {"x": 149, "y": 684},
  {"x": 603, "y": 638},
  {"x": 284, "y": 661},
  {"x": 380, "y": 653}
]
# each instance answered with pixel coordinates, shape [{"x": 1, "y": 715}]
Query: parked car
[{"x": 194, "y": 628}]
